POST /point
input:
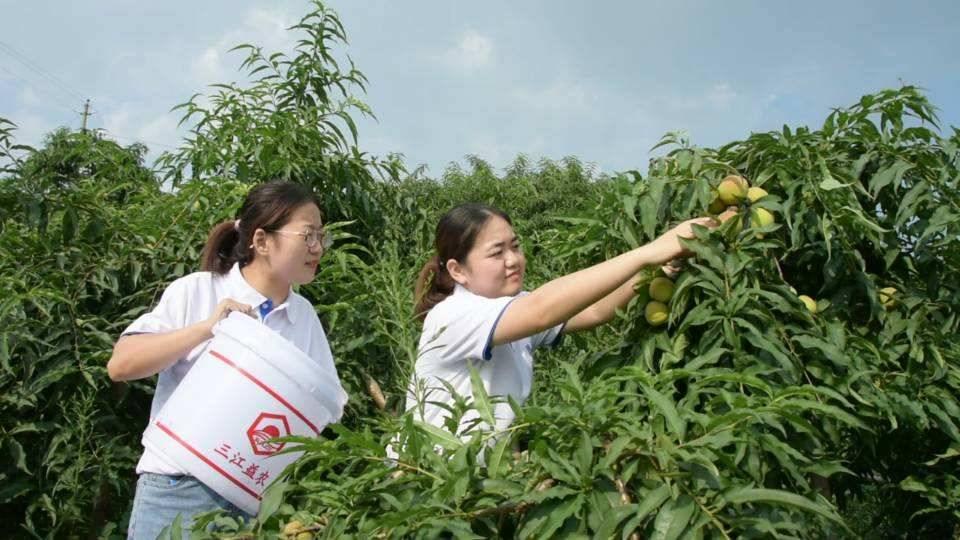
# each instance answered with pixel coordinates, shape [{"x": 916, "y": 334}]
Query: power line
[
  {"x": 63, "y": 87},
  {"x": 30, "y": 64},
  {"x": 28, "y": 84},
  {"x": 90, "y": 113}
]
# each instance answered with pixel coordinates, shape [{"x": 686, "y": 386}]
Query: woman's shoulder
[
  {"x": 193, "y": 281},
  {"x": 463, "y": 302},
  {"x": 298, "y": 302},
  {"x": 302, "y": 309}
]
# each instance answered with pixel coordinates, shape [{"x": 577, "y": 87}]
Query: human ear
[
  {"x": 457, "y": 271},
  {"x": 259, "y": 244}
]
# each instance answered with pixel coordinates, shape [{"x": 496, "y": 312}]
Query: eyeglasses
[{"x": 312, "y": 238}]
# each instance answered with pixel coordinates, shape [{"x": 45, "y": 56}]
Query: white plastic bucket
[{"x": 248, "y": 386}]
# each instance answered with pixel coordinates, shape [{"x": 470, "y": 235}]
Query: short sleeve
[
  {"x": 462, "y": 327},
  {"x": 551, "y": 337},
  {"x": 168, "y": 315}
]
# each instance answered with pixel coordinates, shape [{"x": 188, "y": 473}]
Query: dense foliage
[{"x": 746, "y": 415}]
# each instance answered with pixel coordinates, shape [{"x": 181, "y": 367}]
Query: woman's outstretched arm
[
  {"x": 565, "y": 297},
  {"x": 605, "y": 309}
]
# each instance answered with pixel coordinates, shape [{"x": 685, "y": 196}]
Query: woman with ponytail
[
  {"x": 249, "y": 265},
  {"x": 476, "y": 315}
]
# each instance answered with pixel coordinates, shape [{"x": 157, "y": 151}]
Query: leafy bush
[{"x": 746, "y": 415}]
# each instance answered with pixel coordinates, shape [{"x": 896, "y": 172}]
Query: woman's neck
[{"x": 258, "y": 276}]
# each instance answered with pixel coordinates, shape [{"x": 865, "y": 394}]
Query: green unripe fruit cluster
[
  {"x": 660, "y": 291},
  {"x": 732, "y": 189},
  {"x": 730, "y": 193},
  {"x": 292, "y": 528},
  {"x": 755, "y": 193},
  {"x": 296, "y": 530},
  {"x": 656, "y": 313},
  {"x": 717, "y": 205},
  {"x": 761, "y": 217},
  {"x": 725, "y": 205}
]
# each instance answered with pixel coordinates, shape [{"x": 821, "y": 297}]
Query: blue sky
[{"x": 601, "y": 81}]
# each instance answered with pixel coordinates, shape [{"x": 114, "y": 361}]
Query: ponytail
[
  {"x": 433, "y": 285},
  {"x": 224, "y": 249}
]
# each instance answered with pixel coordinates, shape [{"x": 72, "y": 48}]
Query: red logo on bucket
[{"x": 267, "y": 426}]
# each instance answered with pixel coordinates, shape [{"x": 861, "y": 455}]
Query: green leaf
[
  {"x": 496, "y": 456},
  {"x": 951, "y": 452},
  {"x": 669, "y": 411},
  {"x": 709, "y": 253},
  {"x": 18, "y": 455},
  {"x": 614, "y": 451},
  {"x": 613, "y": 520},
  {"x": 440, "y": 436},
  {"x": 890, "y": 175},
  {"x": 863, "y": 220},
  {"x": 830, "y": 410},
  {"x": 911, "y": 483},
  {"x": 937, "y": 224},
  {"x": 829, "y": 183},
  {"x": 5, "y": 354},
  {"x": 174, "y": 531},
  {"x": 584, "y": 454},
  {"x": 780, "y": 497},
  {"x": 271, "y": 499},
  {"x": 651, "y": 502},
  {"x": 626, "y": 230},
  {"x": 544, "y": 520},
  {"x": 673, "y": 519},
  {"x": 69, "y": 225},
  {"x": 481, "y": 400}
]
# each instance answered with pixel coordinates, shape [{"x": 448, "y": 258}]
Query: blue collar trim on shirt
[
  {"x": 244, "y": 292},
  {"x": 265, "y": 308}
]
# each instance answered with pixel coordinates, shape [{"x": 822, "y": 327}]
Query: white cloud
[
  {"x": 128, "y": 124},
  {"x": 208, "y": 67},
  {"x": 471, "y": 52},
  {"x": 490, "y": 149},
  {"x": 720, "y": 95},
  {"x": 262, "y": 27},
  {"x": 560, "y": 96},
  {"x": 117, "y": 122},
  {"x": 269, "y": 28},
  {"x": 161, "y": 129},
  {"x": 537, "y": 145},
  {"x": 31, "y": 128},
  {"x": 29, "y": 97},
  {"x": 150, "y": 123}
]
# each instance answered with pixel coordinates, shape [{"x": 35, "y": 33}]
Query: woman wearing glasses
[{"x": 248, "y": 265}]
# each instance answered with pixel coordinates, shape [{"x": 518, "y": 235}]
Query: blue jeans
[{"x": 160, "y": 498}]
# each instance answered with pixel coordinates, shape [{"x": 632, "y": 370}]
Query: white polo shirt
[
  {"x": 457, "y": 334},
  {"x": 192, "y": 299}
]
